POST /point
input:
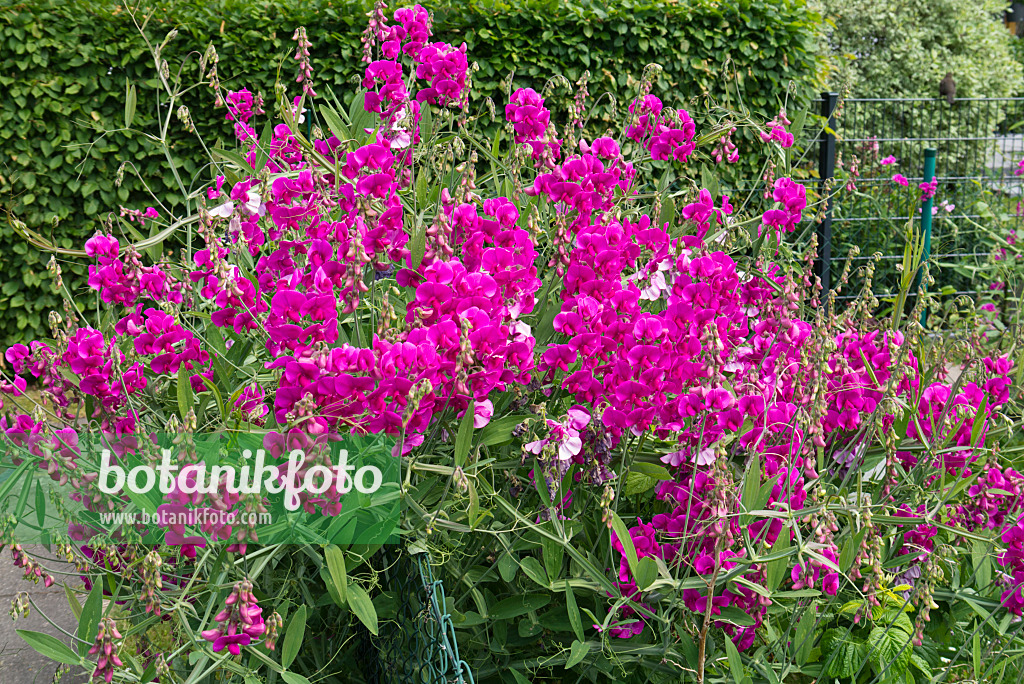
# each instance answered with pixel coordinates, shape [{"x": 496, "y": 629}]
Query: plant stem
[{"x": 702, "y": 646}]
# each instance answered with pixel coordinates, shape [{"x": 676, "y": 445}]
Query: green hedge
[{"x": 64, "y": 64}]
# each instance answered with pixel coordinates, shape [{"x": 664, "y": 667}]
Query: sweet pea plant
[{"x": 637, "y": 440}]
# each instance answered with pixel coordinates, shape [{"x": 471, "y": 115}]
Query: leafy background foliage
[
  {"x": 64, "y": 66},
  {"x": 903, "y": 48}
]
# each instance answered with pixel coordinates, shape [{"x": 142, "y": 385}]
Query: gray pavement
[{"x": 19, "y": 663}]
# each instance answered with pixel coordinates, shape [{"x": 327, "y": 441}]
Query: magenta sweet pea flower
[{"x": 565, "y": 435}]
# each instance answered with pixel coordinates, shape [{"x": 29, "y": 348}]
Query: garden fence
[
  {"x": 417, "y": 644},
  {"x": 978, "y": 143}
]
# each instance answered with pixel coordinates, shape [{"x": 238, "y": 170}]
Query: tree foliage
[
  {"x": 903, "y": 48},
  {"x": 64, "y": 67}
]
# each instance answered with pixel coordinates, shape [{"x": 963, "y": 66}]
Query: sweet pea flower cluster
[
  {"x": 105, "y": 648},
  {"x": 531, "y": 122},
  {"x": 665, "y": 133},
  {"x": 123, "y": 279},
  {"x": 564, "y": 437},
  {"x": 1012, "y": 560},
  {"x": 241, "y": 621},
  {"x": 726, "y": 149},
  {"x": 777, "y": 130},
  {"x": 157, "y": 334},
  {"x": 792, "y": 198},
  {"x": 90, "y": 357},
  {"x": 928, "y": 189}
]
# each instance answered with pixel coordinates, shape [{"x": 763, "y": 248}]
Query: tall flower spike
[
  {"x": 274, "y": 625},
  {"x": 106, "y": 649},
  {"x": 302, "y": 57},
  {"x": 241, "y": 621}
]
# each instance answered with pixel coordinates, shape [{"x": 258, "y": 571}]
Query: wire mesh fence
[
  {"x": 417, "y": 643},
  {"x": 979, "y": 142},
  {"x": 978, "y": 146}
]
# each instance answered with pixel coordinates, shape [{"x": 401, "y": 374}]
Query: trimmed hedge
[{"x": 64, "y": 66}]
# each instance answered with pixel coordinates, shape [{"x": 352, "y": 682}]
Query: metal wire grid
[
  {"x": 978, "y": 146},
  {"x": 418, "y": 645},
  {"x": 979, "y": 141}
]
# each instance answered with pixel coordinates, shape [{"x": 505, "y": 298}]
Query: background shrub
[
  {"x": 64, "y": 67},
  {"x": 903, "y": 48}
]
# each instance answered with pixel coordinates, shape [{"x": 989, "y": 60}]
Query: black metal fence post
[{"x": 826, "y": 170}]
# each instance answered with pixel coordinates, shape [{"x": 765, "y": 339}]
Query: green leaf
[
  {"x": 514, "y": 606},
  {"x": 895, "y": 617},
  {"x": 638, "y": 483},
  {"x": 577, "y": 653},
  {"x": 776, "y": 569},
  {"x": 709, "y": 180},
  {"x": 889, "y": 648},
  {"x": 333, "y": 122},
  {"x": 688, "y": 648},
  {"x": 803, "y": 640},
  {"x": 736, "y": 616},
  {"x": 263, "y": 149},
  {"x": 622, "y": 533},
  {"x": 735, "y": 663},
  {"x": 418, "y": 245},
  {"x": 426, "y": 122},
  {"x": 976, "y": 653},
  {"x": 500, "y": 430},
  {"x": 149, "y": 673},
  {"x": 236, "y": 159},
  {"x": 185, "y": 395},
  {"x": 798, "y": 123},
  {"x": 40, "y": 504},
  {"x": 293, "y": 637},
  {"x": 357, "y": 111},
  {"x": 646, "y": 572},
  {"x": 553, "y": 554},
  {"x": 362, "y": 606},
  {"x": 129, "y": 104},
  {"x": 574, "y": 611},
  {"x": 76, "y": 607},
  {"x": 49, "y": 646},
  {"x": 422, "y": 188},
  {"x": 89, "y": 620},
  {"x": 654, "y": 470},
  {"x": 465, "y": 437},
  {"x": 532, "y": 567},
  {"x": 495, "y": 144},
  {"x": 849, "y": 551},
  {"x": 26, "y": 488},
  {"x": 518, "y": 676},
  {"x": 979, "y": 422},
  {"x": 332, "y": 588},
  {"x": 921, "y": 664},
  {"x": 294, "y": 678},
  {"x": 752, "y": 483},
  {"x": 474, "y": 506},
  {"x": 668, "y": 213},
  {"x": 336, "y": 566},
  {"x": 507, "y": 566}
]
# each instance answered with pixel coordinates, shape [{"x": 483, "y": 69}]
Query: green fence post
[{"x": 926, "y": 222}]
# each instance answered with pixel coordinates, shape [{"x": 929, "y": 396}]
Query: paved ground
[
  {"x": 19, "y": 664},
  {"x": 1003, "y": 159}
]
